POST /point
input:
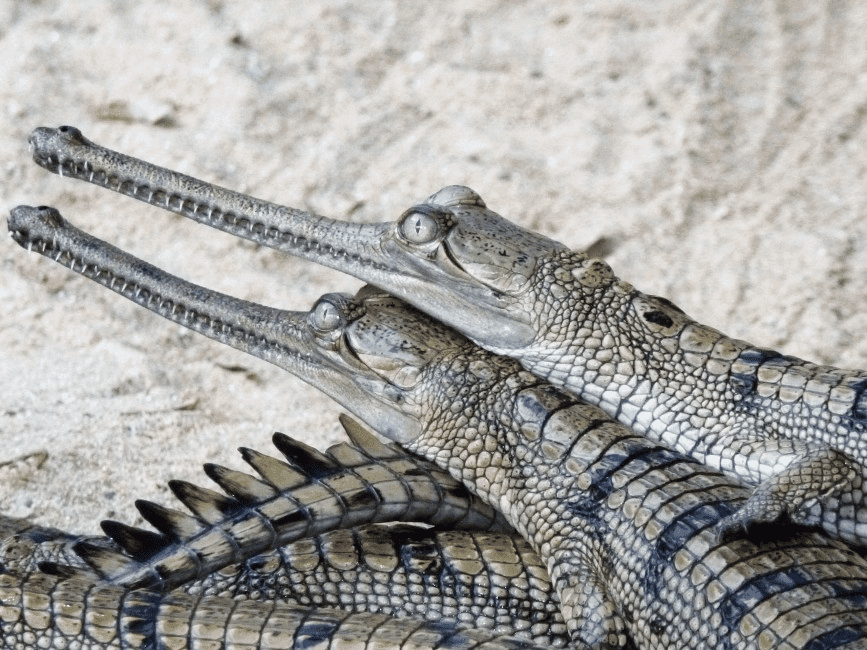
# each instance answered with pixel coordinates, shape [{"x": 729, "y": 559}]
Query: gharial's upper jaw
[
  {"x": 449, "y": 256},
  {"x": 353, "y": 248}
]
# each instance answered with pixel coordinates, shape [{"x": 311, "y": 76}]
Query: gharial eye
[
  {"x": 418, "y": 228},
  {"x": 325, "y": 317}
]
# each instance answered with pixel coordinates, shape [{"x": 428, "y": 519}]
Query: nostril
[{"x": 69, "y": 133}]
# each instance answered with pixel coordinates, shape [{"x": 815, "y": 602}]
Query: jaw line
[
  {"x": 369, "y": 252},
  {"x": 443, "y": 290}
]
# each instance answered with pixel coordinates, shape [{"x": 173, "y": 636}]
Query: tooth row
[
  {"x": 141, "y": 296},
  {"x": 176, "y": 203},
  {"x": 193, "y": 209}
]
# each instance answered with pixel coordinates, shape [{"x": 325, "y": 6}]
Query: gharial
[
  {"x": 796, "y": 430},
  {"x": 624, "y": 525},
  {"x": 444, "y": 585}
]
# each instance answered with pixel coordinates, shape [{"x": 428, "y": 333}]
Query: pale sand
[{"x": 719, "y": 147}]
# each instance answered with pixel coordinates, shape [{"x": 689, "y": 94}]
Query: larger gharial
[
  {"x": 624, "y": 525},
  {"x": 795, "y": 430}
]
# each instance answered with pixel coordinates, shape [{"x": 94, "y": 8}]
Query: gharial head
[
  {"x": 449, "y": 256},
  {"x": 369, "y": 352}
]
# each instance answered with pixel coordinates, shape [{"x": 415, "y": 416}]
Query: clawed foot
[
  {"x": 788, "y": 496},
  {"x": 766, "y": 515},
  {"x": 763, "y": 507},
  {"x": 748, "y": 518}
]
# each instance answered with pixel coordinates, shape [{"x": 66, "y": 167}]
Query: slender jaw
[
  {"x": 436, "y": 256},
  {"x": 306, "y": 344}
]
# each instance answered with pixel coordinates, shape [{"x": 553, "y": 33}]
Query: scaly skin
[
  {"x": 489, "y": 581},
  {"x": 624, "y": 525},
  {"x": 71, "y": 610},
  {"x": 307, "y": 494},
  {"x": 796, "y": 430}
]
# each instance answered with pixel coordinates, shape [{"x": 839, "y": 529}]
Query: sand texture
[{"x": 717, "y": 152}]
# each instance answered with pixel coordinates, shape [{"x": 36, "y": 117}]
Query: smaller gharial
[
  {"x": 795, "y": 430},
  {"x": 625, "y": 526}
]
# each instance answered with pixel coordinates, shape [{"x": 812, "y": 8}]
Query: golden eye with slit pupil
[
  {"x": 325, "y": 317},
  {"x": 418, "y": 228}
]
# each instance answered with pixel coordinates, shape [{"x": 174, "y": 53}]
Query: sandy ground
[{"x": 716, "y": 151}]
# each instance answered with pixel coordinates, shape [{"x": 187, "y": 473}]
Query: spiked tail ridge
[
  {"x": 243, "y": 487},
  {"x": 310, "y": 493}
]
